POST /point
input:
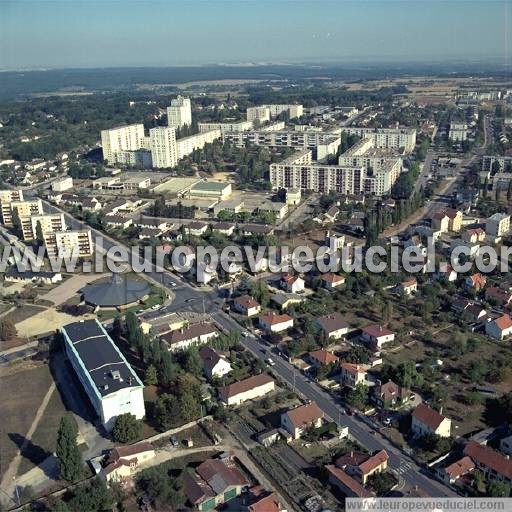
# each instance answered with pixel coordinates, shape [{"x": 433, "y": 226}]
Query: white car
[{"x": 270, "y": 362}]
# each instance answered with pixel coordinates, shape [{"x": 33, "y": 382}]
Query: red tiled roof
[
  {"x": 273, "y": 319},
  {"x": 289, "y": 278},
  {"x": 489, "y": 458},
  {"x": 263, "y": 501},
  {"x": 323, "y": 356},
  {"x": 352, "y": 368},
  {"x": 332, "y": 278},
  {"x": 478, "y": 280},
  {"x": 349, "y": 482},
  {"x": 373, "y": 462},
  {"x": 246, "y": 301},
  {"x": 391, "y": 390},
  {"x": 459, "y": 468},
  {"x": 245, "y": 385},
  {"x": 428, "y": 416},
  {"x": 376, "y": 331},
  {"x": 127, "y": 451},
  {"x": 305, "y": 414},
  {"x": 409, "y": 283},
  {"x": 503, "y": 322}
]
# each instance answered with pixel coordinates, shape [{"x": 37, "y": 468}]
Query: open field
[
  {"x": 22, "y": 313},
  {"x": 23, "y": 389}
]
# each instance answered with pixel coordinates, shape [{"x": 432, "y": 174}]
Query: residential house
[
  {"x": 426, "y": 420},
  {"x": 451, "y": 473},
  {"x": 122, "y": 461},
  {"x": 117, "y": 221},
  {"x": 247, "y": 389},
  {"x": 196, "y": 334},
  {"x": 214, "y": 364},
  {"x": 352, "y": 374},
  {"x": 415, "y": 241},
  {"x": 362, "y": 465},
  {"x": 349, "y": 486},
  {"x": 296, "y": 421},
  {"x": 447, "y": 219},
  {"x": 474, "y": 235},
  {"x": 258, "y": 499},
  {"x": 333, "y": 326},
  {"x": 332, "y": 214},
  {"x": 319, "y": 358},
  {"x": 497, "y": 225},
  {"x": 493, "y": 464},
  {"x": 246, "y": 305},
  {"x": 285, "y": 300},
  {"x": 447, "y": 273},
  {"x": 14, "y": 275},
  {"x": 475, "y": 282},
  {"x": 377, "y": 336},
  {"x": 408, "y": 287},
  {"x": 197, "y": 228},
  {"x": 332, "y": 281},
  {"x": 275, "y": 323},
  {"x": 499, "y": 328},
  {"x": 291, "y": 283},
  {"x": 498, "y": 295},
  {"x": 223, "y": 228},
  {"x": 390, "y": 395},
  {"x": 212, "y": 483}
]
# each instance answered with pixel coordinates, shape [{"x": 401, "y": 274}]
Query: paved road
[{"x": 191, "y": 297}]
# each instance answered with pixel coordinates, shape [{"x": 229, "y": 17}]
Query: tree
[
  {"x": 498, "y": 489},
  {"x": 127, "y": 428},
  {"x": 7, "y": 330},
  {"x": 160, "y": 486},
  {"x": 39, "y": 233},
  {"x": 167, "y": 412},
  {"x": 16, "y": 222},
  {"x": 151, "y": 376},
  {"x": 68, "y": 455},
  {"x": 193, "y": 363},
  {"x": 95, "y": 496}
]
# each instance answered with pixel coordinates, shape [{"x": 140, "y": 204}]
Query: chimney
[{"x": 441, "y": 410}]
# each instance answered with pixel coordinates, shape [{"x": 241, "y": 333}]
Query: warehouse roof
[{"x": 107, "y": 368}]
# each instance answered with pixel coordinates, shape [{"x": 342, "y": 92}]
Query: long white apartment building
[
  {"x": 122, "y": 138},
  {"x": 163, "y": 146},
  {"x": 364, "y": 153},
  {"x": 25, "y": 210},
  {"x": 393, "y": 138},
  {"x": 225, "y": 128},
  {"x": 188, "y": 145},
  {"x": 324, "y": 143},
  {"x": 292, "y": 110},
  {"x": 49, "y": 223},
  {"x": 6, "y": 196},
  {"x": 110, "y": 382},
  {"x": 179, "y": 113},
  {"x": 64, "y": 243},
  {"x": 301, "y": 172}
]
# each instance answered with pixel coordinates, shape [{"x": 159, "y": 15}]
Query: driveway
[{"x": 70, "y": 287}]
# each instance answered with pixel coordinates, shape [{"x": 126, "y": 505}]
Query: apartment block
[
  {"x": 64, "y": 243},
  {"x": 179, "y": 113},
  {"x": 163, "y": 146},
  {"x": 292, "y": 110},
  {"x": 6, "y": 196},
  {"x": 187, "y": 145},
  {"x": 49, "y": 224},
  {"x": 123, "y": 138},
  {"x": 237, "y": 126},
  {"x": 458, "y": 132},
  {"x": 261, "y": 114},
  {"x": 25, "y": 209},
  {"x": 394, "y": 138}
]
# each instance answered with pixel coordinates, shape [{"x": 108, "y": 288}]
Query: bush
[{"x": 127, "y": 429}]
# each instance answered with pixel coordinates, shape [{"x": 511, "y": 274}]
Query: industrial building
[{"x": 108, "y": 379}]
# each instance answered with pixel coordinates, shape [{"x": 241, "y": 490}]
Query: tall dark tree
[
  {"x": 16, "y": 221},
  {"x": 68, "y": 455},
  {"x": 39, "y": 233}
]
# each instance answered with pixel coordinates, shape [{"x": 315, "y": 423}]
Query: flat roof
[
  {"x": 100, "y": 357},
  {"x": 210, "y": 185}
]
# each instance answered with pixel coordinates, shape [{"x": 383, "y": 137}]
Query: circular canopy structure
[{"x": 119, "y": 290}]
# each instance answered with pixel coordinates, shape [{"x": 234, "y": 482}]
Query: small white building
[
  {"x": 214, "y": 364},
  {"x": 251, "y": 388},
  {"x": 196, "y": 334},
  {"x": 426, "y": 420},
  {"x": 275, "y": 323},
  {"x": 499, "y": 328},
  {"x": 377, "y": 336},
  {"x": 62, "y": 184},
  {"x": 296, "y": 421}
]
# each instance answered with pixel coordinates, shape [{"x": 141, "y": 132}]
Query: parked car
[{"x": 174, "y": 441}]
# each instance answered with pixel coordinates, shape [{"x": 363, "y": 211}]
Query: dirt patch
[
  {"x": 22, "y": 313},
  {"x": 46, "y": 321}
]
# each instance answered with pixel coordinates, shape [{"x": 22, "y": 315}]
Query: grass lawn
[
  {"x": 23, "y": 389},
  {"x": 23, "y": 312}
]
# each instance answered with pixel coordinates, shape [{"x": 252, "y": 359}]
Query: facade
[
  {"x": 6, "y": 196},
  {"x": 163, "y": 146},
  {"x": 297, "y": 421},
  {"x": 261, "y": 114},
  {"x": 49, "y": 224},
  {"x": 319, "y": 358},
  {"x": 426, "y": 420},
  {"x": 352, "y": 374},
  {"x": 25, "y": 210},
  {"x": 120, "y": 139},
  {"x": 122, "y": 461},
  {"x": 225, "y": 128},
  {"x": 392, "y": 138},
  {"x": 348, "y": 485},
  {"x": 447, "y": 219},
  {"x": 109, "y": 381},
  {"x": 247, "y": 389},
  {"x": 390, "y": 395},
  {"x": 179, "y": 113},
  {"x": 293, "y": 111},
  {"x": 187, "y": 145},
  {"x": 63, "y": 184},
  {"x": 333, "y": 326},
  {"x": 246, "y": 305},
  {"x": 332, "y": 281},
  {"x": 291, "y": 283},
  {"x": 68, "y": 243},
  {"x": 377, "y": 336},
  {"x": 497, "y": 225},
  {"x": 493, "y": 464}
]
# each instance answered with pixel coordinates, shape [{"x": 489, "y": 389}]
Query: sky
[{"x": 90, "y": 33}]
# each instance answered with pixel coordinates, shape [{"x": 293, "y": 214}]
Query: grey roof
[
  {"x": 117, "y": 291},
  {"x": 100, "y": 356}
]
